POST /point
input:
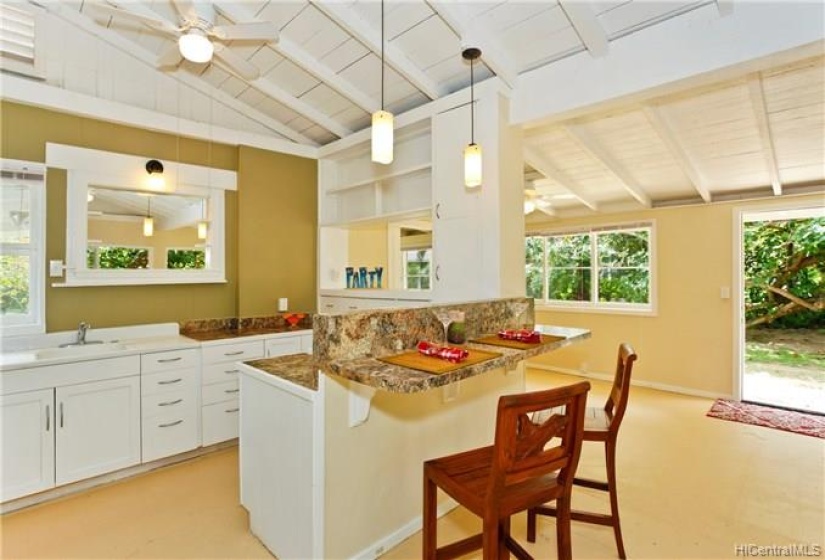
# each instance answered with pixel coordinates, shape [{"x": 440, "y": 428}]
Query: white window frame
[
  {"x": 406, "y": 277},
  {"x": 594, "y": 305},
  {"x": 33, "y": 322},
  {"x": 19, "y": 60}
]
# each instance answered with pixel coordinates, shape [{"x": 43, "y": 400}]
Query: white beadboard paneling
[
  {"x": 279, "y": 13},
  {"x": 251, "y": 97},
  {"x": 428, "y": 42},
  {"x": 80, "y": 79},
  {"x": 276, "y": 110},
  {"x": 291, "y": 78},
  {"x": 347, "y": 54},
  {"x": 215, "y": 76},
  {"x": 266, "y": 58},
  {"x": 319, "y": 135},
  {"x": 637, "y": 14},
  {"x": 327, "y": 100},
  {"x": 233, "y": 86},
  {"x": 300, "y": 124},
  {"x": 309, "y": 23},
  {"x": 353, "y": 118}
]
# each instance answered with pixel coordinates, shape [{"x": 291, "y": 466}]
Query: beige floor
[{"x": 690, "y": 487}]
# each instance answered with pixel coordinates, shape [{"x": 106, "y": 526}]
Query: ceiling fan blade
[
  {"x": 186, "y": 10},
  {"x": 257, "y": 31},
  {"x": 138, "y": 13},
  {"x": 170, "y": 56},
  {"x": 236, "y": 64}
]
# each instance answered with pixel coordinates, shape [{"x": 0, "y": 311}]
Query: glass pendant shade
[
  {"x": 202, "y": 230},
  {"x": 195, "y": 46},
  {"x": 382, "y": 137},
  {"x": 472, "y": 165},
  {"x": 148, "y": 226}
]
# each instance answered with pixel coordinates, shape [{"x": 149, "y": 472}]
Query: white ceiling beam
[
  {"x": 343, "y": 16},
  {"x": 301, "y": 107},
  {"x": 68, "y": 15},
  {"x": 546, "y": 168},
  {"x": 696, "y": 48},
  {"x": 661, "y": 123},
  {"x": 585, "y": 140},
  {"x": 472, "y": 33},
  {"x": 298, "y": 55},
  {"x": 583, "y": 19},
  {"x": 760, "y": 111},
  {"x": 725, "y": 7}
]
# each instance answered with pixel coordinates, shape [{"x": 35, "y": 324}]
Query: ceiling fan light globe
[
  {"x": 529, "y": 206},
  {"x": 195, "y": 46}
]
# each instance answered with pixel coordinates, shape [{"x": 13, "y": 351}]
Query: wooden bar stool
[
  {"x": 519, "y": 471},
  {"x": 601, "y": 424}
]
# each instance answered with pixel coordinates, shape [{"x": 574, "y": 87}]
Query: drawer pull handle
[
  {"x": 167, "y": 360},
  {"x": 329, "y": 305},
  {"x": 48, "y": 418},
  {"x": 231, "y": 390},
  {"x": 238, "y": 353},
  {"x": 61, "y": 415},
  {"x": 170, "y": 424},
  {"x": 231, "y": 371},
  {"x": 170, "y": 403},
  {"x": 171, "y": 381},
  {"x": 230, "y": 410}
]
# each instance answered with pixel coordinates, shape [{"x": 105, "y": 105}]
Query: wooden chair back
[
  {"x": 619, "y": 393},
  {"x": 521, "y": 450}
]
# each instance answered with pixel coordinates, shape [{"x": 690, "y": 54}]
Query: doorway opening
[{"x": 782, "y": 315}]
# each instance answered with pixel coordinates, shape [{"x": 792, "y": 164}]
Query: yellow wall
[
  {"x": 24, "y": 132},
  {"x": 689, "y": 343},
  {"x": 368, "y": 247},
  {"x": 277, "y": 195}
]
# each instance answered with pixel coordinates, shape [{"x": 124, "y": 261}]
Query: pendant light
[
  {"x": 472, "y": 153},
  {"x": 382, "y": 121},
  {"x": 155, "y": 170},
  {"x": 148, "y": 221},
  {"x": 202, "y": 225}
]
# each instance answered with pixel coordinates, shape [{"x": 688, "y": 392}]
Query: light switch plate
[{"x": 55, "y": 269}]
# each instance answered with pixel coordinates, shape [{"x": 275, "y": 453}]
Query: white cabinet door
[
  {"x": 457, "y": 260},
  {"x": 451, "y": 134},
  {"x": 98, "y": 428},
  {"x": 27, "y": 447},
  {"x": 306, "y": 343}
]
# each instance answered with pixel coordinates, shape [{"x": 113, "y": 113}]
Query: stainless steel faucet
[{"x": 81, "y": 332}]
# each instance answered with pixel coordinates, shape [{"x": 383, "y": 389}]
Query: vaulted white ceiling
[{"x": 754, "y": 132}]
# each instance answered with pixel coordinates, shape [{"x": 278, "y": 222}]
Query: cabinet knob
[
  {"x": 437, "y": 272},
  {"x": 438, "y": 210}
]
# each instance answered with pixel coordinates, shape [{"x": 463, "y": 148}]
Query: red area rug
[{"x": 787, "y": 420}]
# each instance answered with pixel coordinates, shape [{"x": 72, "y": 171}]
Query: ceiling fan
[
  {"x": 534, "y": 201},
  {"x": 198, "y": 38}
]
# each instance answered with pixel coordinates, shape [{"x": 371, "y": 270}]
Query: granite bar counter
[{"x": 332, "y": 445}]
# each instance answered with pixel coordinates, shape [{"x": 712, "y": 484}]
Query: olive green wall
[
  {"x": 277, "y": 243},
  {"x": 24, "y": 131}
]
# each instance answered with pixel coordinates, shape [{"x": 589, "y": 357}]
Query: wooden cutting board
[
  {"x": 430, "y": 364},
  {"x": 518, "y": 345}
]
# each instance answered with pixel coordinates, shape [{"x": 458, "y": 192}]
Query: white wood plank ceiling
[{"x": 320, "y": 80}]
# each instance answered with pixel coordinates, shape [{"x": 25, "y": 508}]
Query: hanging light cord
[
  {"x": 472, "y": 106},
  {"x": 149, "y": 207},
  {"x": 382, "y": 55}
]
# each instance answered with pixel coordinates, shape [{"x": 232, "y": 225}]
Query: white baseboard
[
  {"x": 635, "y": 382},
  {"x": 384, "y": 544}
]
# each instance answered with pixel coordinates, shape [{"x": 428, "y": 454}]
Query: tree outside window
[
  {"x": 417, "y": 269},
  {"x": 605, "y": 268}
]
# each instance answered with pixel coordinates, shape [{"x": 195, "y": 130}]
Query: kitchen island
[{"x": 332, "y": 445}]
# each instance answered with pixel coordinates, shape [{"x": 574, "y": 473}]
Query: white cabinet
[
  {"x": 98, "y": 428},
  {"x": 27, "y": 428},
  {"x": 169, "y": 403},
  {"x": 219, "y": 390},
  {"x": 282, "y": 346}
]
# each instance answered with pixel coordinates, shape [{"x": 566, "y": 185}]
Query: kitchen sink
[{"x": 88, "y": 349}]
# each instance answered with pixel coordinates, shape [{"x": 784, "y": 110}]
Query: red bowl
[{"x": 293, "y": 319}]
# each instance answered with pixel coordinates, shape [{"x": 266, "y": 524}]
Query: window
[
  {"x": 606, "y": 268},
  {"x": 20, "y": 47},
  {"x": 118, "y": 257},
  {"x": 22, "y": 236},
  {"x": 417, "y": 269},
  {"x": 186, "y": 258}
]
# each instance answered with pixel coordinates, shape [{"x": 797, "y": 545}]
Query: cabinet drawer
[
  {"x": 235, "y": 352},
  {"x": 217, "y": 373},
  {"x": 283, "y": 346},
  {"x": 167, "y": 381},
  {"x": 172, "y": 359},
  {"x": 173, "y": 402},
  {"x": 170, "y": 434},
  {"x": 220, "y": 421},
  {"x": 218, "y": 392}
]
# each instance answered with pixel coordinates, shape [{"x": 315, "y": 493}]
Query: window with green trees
[
  {"x": 417, "y": 269},
  {"x": 186, "y": 258},
  {"x": 113, "y": 257},
  {"x": 598, "y": 268}
]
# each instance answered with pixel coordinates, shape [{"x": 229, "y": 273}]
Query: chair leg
[
  {"x": 610, "y": 455},
  {"x": 531, "y": 525},
  {"x": 563, "y": 541},
  {"x": 504, "y": 532},
  {"x": 430, "y": 521},
  {"x": 491, "y": 539}
]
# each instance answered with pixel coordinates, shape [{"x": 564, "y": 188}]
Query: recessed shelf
[{"x": 378, "y": 178}]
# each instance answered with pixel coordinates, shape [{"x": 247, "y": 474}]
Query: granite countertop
[
  {"x": 222, "y": 334},
  {"x": 302, "y": 369}
]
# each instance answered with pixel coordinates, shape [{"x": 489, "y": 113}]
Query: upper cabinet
[{"x": 354, "y": 189}]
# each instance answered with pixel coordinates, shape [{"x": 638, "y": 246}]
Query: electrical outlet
[
  {"x": 283, "y": 304},
  {"x": 584, "y": 367}
]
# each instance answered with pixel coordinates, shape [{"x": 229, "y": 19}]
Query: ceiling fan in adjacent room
[
  {"x": 534, "y": 201},
  {"x": 198, "y": 38}
]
